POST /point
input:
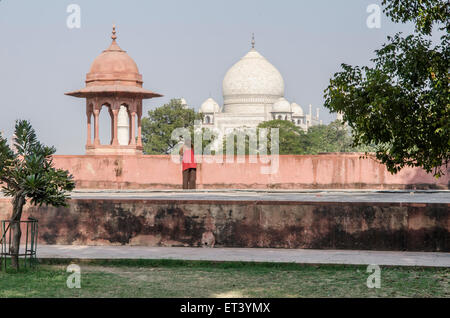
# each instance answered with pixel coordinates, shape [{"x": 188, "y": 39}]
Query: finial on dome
[
  {"x": 253, "y": 40},
  {"x": 114, "y": 36}
]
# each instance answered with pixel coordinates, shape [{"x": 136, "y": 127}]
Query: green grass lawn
[{"x": 146, "y": 278}]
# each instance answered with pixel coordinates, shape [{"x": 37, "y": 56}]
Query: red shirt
[{"x": 189, "y": 159}]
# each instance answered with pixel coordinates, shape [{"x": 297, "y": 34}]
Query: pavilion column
[
  {"x": 89, "y": 138},
  {"x": 129, "y": 127},
  {"x": 139, "y": 141},
  {"x": 115, "y": 141},
  {"x": 96, "y": 122},
  {"x": 133, "y": 128},
  {"x": 111, "y": 116}
]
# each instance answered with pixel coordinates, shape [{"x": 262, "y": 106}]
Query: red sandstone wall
[{"x": 328, "y": 171}]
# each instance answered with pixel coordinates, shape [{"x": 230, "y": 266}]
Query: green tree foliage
[
  {"x": 335, "y": 137},
  {"x": 234, "y": 138},
  {"x": 28, "y": 173},
  {"x": 402, "y": 104},
  {"x": 423, "y": 13},
  {"x": 157, "y": 128},
  {"x": 291, "y": 138}
]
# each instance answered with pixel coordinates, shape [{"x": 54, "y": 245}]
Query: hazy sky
[{"x": 183, "y": 48}]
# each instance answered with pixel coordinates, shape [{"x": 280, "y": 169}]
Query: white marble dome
[
  {"x": 252, "y": 80},
  {"x": 210, "y": 106},
  {"x": 281, "y": 106},
  {"x": 297, "y": 110}
]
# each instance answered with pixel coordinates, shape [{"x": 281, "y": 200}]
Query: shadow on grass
[
  {"x": 179, "y": 278},
  {"x": 172, "y": 263},
  {"x": 25, "y": 266}
]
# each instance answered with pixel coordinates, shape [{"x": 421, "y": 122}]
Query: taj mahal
[{"x": 253, "y": 92}]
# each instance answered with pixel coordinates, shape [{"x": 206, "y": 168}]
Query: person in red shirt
[{"x": 189, "y": 165}]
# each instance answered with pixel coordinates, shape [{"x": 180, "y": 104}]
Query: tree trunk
[{"x": 18, "y": 203}]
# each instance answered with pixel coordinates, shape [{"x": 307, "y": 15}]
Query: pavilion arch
[
  {"x": 134, "y": 112},
  {"x": 106, "y": 119},
  {"x": 124, "y": 124}
]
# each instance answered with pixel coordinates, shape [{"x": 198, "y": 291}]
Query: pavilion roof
[{"x": 122, "y": 90}]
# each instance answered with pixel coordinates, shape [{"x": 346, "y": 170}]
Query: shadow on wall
[
  {"x": 271, "y": 224},
  {"x": 417, "y": 176}
]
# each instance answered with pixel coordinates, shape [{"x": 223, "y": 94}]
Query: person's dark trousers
[{"x": 189, "y": 178}]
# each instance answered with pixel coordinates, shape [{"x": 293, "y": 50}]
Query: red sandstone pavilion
[{"x": 114, "y": 82}]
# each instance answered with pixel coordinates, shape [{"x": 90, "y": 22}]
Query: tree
[
  {"x": 28, "y": 173},
  {"x": 157, "y": 128},
  {"x": 239, "y": 138},
  {"x": 423, "y": 13},
  {"x": 402, "y": 104},
  {"x": 292, "y": 140},
  {"x": 335, "y": 137}
]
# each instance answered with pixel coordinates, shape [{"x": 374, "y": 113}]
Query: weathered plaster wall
[
  {"x": 328, "y": 171},
  {"x": 318, "y": 225}
]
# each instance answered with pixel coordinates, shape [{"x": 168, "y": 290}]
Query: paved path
[
  {"x": 397, "y": 196},
  {"x": 247, "y": 255},
  {"x": 380, "y": 196}
]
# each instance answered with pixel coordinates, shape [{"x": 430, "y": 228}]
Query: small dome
[
  {"x": 252, "y": 77},
  {"x": 210, "y": 106},
  {"x": 281, "y": 106},
  {"x": 114, "y": 61},
  {"x": 297, "y": 110},
  {"x": 114, "y": 67},
  {"x": 184, "y": 103}
]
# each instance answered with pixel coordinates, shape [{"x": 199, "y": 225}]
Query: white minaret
[{"x": 123, "y": 126}]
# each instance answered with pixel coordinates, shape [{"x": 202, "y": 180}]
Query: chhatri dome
[
  {"x": 251, "y": 83},
  {"x": 116, "y": 72},
  {"x": 297, "y": 110},
  {"x": 281, "y": 106},
  {"x": 210, "y": 106},
  {"x": 184, "y": 103},
  {"x": 114, "y": 65}
]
